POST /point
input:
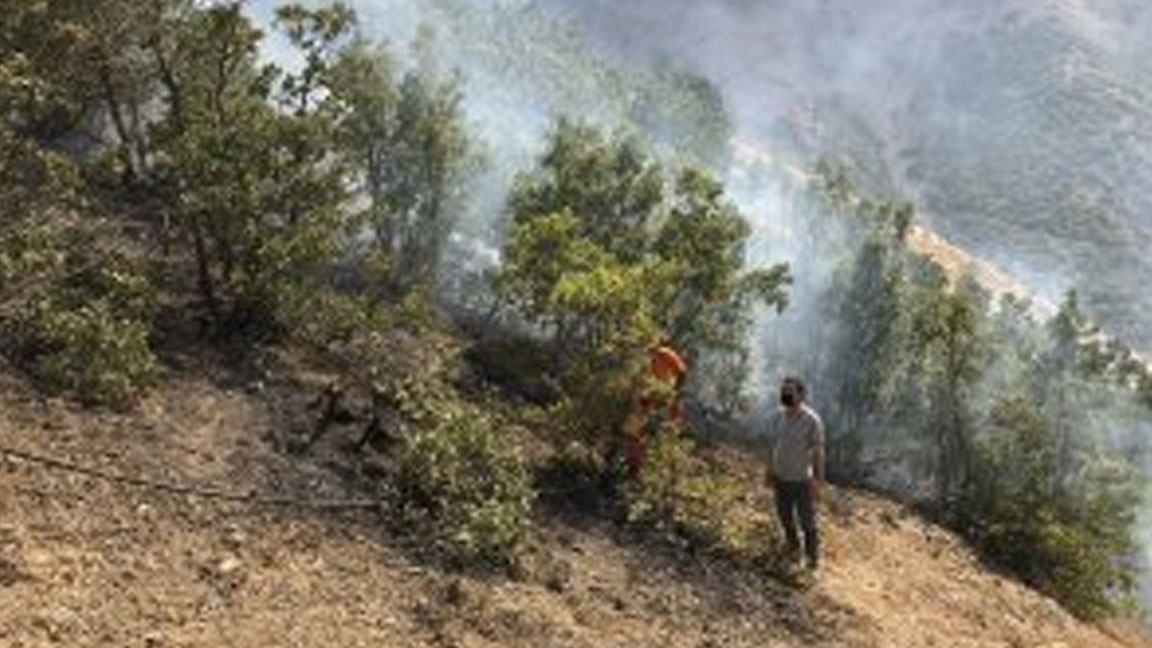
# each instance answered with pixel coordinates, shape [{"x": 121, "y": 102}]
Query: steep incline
[{"x": 87, "y": 563}]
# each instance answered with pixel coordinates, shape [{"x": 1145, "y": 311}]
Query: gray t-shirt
[{"x": 792, "y": 439}]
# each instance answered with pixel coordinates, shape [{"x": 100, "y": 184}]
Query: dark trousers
[{"x": 795, "y": 499}]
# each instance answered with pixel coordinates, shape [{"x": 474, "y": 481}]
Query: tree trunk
[
  {"x": 124, "y": 149},
  {"x": 203, "y": 269}
]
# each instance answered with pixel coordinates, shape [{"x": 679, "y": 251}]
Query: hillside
[
  {"x": 1022, "y": 127},
  {"x": 84, "y": 562},
  {"x": 311, "y": 339},
  {"x": 1051, "y": 168}
]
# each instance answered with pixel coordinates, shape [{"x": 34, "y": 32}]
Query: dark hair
[{"x": 797, "y": 384}]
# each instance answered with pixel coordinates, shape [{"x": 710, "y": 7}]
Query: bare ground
[{"x": 85, "y": 562}]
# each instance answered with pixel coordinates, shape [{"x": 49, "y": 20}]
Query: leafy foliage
[
  {"x": 88, "y": 332},
  {"x": 407, "y": 142},
  {"x": 79, "y": 314},
  {"x": 163, "y": 112},
  {"x": 252, "y": 185},
  {"x": 991, "y": 416},
  {"x": 91, "y": 352},
  {"x": 683, "y": 496},
  {"x": 463, "y": 483},
  {"x": 1068, "y": 538},
  {"x": 601, "y": 255}
]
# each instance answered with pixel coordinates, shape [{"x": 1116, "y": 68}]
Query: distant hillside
[
  {"x": 1032, "y": 144},
  {"x": 1023, "y": 128}
]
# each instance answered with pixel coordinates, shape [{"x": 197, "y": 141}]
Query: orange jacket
[{"x": 667, "y": 366}]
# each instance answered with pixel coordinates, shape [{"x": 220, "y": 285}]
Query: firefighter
[{"x": 667, "y": 372}]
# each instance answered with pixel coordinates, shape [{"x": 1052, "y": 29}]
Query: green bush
[
  {"x": 26, "y": 253},
  {"x": 1061, "y": 559},
  {"x": 324, "y": 318},
  {"x": 91, "y": 351},
  {"x": 86, "y": 328},
  {"x": 465, "y": 487},
  {"x": 681, "y": 495},
  {"x": 574, "y": 476}
]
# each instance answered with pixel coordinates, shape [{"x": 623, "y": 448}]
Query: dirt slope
[{"x": 88, "y": 563}]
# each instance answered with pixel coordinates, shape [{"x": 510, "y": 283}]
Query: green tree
[
  {"x": 405, "y": 137},
  {"x": 684, "y": 113},
  {"x": 949, "y": 325},
  {"x": 601, "y": 254},
  {"x": 77, "y": 313},
  {"x": 1019, "y": 427},
  {"x": 708, "y": 308},
  {"x": 1069, "y": 539},
  {"x": 254, "y": 186},
  {"x": 867, "y": 352},
  {"x": 612, "y": 188}
]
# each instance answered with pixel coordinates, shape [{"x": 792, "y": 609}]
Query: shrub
[
  {"x": 88, "y": 330},
  {"x": 324, "y": 318},
  {"x": 465, "y": 487},
  {"x": 91, "y": 351},
  {"x": 575, "y": 476},
  {"x": 681, "y": 495}
]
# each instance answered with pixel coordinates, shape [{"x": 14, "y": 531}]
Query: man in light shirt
[{"x": 796, "y": 467}]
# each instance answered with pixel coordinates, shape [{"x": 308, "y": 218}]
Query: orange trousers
[{"x": 634, "y": 430}]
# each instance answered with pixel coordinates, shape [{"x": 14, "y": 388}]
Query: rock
[
  {"x": 234, "y": 538},
  {"x": 458, "y": 593},
  {"x": 10, "y": 573},
  {"x": 557, "y": 583},
  {"x": 558, "y": 576},
  {"x": 229, "y": 566}
]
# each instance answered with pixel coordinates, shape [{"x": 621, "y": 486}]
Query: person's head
[
  {"x": 792, "y": 392},
  {"x": 661, "y": 340}
]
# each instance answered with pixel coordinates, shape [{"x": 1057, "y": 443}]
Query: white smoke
[{"x": 803, "y": 79}]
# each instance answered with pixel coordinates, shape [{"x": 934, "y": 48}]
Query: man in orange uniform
[{"x": 669, "y": 370}]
